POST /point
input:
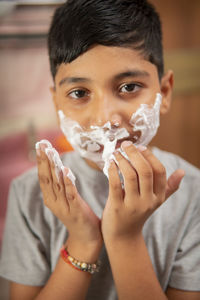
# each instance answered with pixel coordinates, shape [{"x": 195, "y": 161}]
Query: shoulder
[
  {"x": 185, "y": 202},
  {"x": 26, "y": 181},
  {"x": 173, "y": 162},
  {"x": 25, "y": 188}
]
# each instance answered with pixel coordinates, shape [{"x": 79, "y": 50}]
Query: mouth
[
  {"x": 118, "y": 144},
  {"x": 133, "y": 139}
]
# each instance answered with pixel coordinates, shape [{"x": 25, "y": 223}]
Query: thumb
[{"x": 173, "y": 182}]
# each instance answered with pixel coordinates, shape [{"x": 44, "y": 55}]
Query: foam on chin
[{"x": 146, "y": 120}]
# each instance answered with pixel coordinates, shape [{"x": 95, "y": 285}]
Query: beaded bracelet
[{"x": 78, "y": 265}]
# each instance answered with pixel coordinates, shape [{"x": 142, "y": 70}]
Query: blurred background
[{"x": 26, "y": 109}]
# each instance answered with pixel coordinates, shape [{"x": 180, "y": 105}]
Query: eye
[
  {"x": 129, "y": 88},
  {"x": 78, "y": 94}
]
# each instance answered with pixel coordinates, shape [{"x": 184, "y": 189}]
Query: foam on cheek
[
  {"x": 88, "y": 143},
  {"x": 147, "y": 120}
]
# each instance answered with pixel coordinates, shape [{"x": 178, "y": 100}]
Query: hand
[
  {"x": 62, "y": 198},
  {"x": 145, "y": 189}
]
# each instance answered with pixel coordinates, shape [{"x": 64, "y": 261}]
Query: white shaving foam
[
  {"x": 70, "y": 175},
  {"x": 46, "y": 142},
  {"x": 88, "y": 143},
  {"x": 146, "y": 120},
  {"x": 53, "y": 155}
]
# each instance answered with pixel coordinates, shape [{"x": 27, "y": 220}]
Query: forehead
[{"x": 102, "y": 61}]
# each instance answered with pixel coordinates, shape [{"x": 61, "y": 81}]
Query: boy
[{"x": 109, "y": 89}]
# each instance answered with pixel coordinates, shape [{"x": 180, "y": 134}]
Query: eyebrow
[
  {"x": 129, "y": 73},
  {"x": 74, "y": 80},
  {"x": 132, "y": 73}
]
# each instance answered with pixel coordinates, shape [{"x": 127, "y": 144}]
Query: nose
[{"x": 106, "y": 111}]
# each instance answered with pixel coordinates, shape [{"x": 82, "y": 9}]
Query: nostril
[{"x": 116, "y": 121}]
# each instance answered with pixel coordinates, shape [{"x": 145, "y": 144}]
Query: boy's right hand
[{"x": 62, "y": 198}]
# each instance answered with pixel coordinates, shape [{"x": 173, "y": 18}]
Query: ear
[{"x": 167, "y": 83}]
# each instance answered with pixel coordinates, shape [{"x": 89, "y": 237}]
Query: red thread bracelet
[{"x": 80, "y": 266}]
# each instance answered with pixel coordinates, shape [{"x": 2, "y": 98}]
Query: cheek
[{"x": 148, "y": 96}]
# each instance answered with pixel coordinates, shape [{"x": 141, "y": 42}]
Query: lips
[{"x": 118, "y": 144}]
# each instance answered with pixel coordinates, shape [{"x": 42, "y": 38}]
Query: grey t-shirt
[{"x": 33, "y": 235}]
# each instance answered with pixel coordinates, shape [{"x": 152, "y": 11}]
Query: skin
[{"x": 100, "y": 96}]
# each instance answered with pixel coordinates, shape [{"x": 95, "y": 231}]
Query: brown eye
[
  {"x": 129, "y": 88},
  {"x": 77, "y": 94}
]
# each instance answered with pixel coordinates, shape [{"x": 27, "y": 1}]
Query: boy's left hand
[{"x": 145, "y": 189}]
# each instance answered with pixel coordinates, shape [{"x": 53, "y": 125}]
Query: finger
[
  {"x": 142, "y": 167},
  {"x": 44, "y": 174},
  {"x": 130, "y": 176},
  {"x": 173, "y": 182},
  {"x": 159, "y": 172},
  {"x": 57, "y": 176},
  {"x": 115, "y": 186},
  {"x": 71, "y": 192}
]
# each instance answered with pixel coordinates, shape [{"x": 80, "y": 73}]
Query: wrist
[
  {"x": 88, "y": 252},
  {"x": 122, "y": 242}
]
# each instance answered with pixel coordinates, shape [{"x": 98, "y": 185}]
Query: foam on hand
[{"x": 53, "y": 156}]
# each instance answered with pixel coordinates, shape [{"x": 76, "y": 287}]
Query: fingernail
[
  {"x": 142, "y": 148},
  {"x": 126, "y": 144}
]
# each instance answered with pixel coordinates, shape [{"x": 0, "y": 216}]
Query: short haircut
[{"x": 78, "y": 25}]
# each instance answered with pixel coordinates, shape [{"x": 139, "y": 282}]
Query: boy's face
[{"x": 108, "y": 84}]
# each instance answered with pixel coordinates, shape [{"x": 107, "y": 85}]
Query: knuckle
[
  {"x": 43, "y": 179},
  {"x": 42, "y": 157},
  {"x": 147, "y": 209},
  {"x": 57, "y": 186},
  {"x": 151, "y": 207},
  {"x": 161, "y": 171},
  {"x": 39, "y": 160},
  {"x": 116, "y": 210},
  {"x": 70, "y": 197},
  {"x": 131, "y": 176},
  {"x": 115, "y": 186},
  {"x": 68, "y": 183},
  {"x": 147, "y": 173},
  {"x": 160, "y": 201},
  {"x": 134, "y": 211},
  {"x": 75, "y": 219},
  {"x": 119, "y": 157}
]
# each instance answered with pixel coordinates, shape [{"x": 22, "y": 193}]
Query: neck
[{"x": 92, "y": 164}]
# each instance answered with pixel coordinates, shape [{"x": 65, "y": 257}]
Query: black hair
[{"x": 78, "y": 25}]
